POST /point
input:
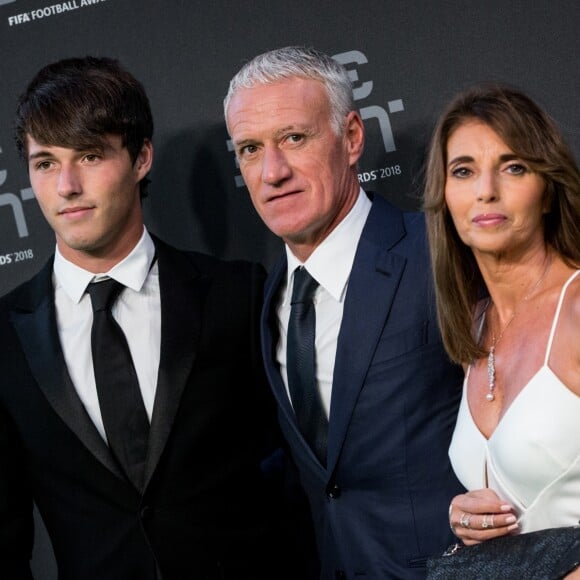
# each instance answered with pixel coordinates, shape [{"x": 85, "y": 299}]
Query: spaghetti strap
[{"x": 557, "y": 315}]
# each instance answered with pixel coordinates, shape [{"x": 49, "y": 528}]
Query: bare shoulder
[
  {"x": 568, "y": 333},
  {"x": 571, "y": 305}
]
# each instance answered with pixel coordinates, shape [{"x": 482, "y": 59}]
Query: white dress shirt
[
  {"x": 330, "y": 265},
  {"x": 137, "y": 310}
]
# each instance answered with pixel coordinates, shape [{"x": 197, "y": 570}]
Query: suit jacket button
[
  {"x": 146, "y": 513},
  {"x": 333, "y": 492},
  {"x": 340, "y": 575}
]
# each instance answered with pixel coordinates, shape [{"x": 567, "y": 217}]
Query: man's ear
[
  {"x": 144, "y": 160},
  {"x": 355, "y": 137}
]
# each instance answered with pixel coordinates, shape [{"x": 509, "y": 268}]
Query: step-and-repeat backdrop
[{"x": 406, "y": 59}]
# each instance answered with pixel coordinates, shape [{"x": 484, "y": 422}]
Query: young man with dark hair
[{"x": 138, "y": 429}]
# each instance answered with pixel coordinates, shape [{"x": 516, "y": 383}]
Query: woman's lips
[{"x": 489, "y": 219}]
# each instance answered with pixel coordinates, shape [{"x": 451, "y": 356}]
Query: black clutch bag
[{"x": 543, "y": 555}]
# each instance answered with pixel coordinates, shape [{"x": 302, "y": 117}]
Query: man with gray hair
[{"x": 367, "y": 397}]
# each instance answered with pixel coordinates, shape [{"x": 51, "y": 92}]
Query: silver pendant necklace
[{"x": 491, "y": 374}]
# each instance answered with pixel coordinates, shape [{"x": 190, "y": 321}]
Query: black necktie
[
  {"x": 301, "y": 365},
  {"x": 124, "y": 416}
]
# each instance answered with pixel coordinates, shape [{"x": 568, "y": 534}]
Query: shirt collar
[
  {"x": 331, "y": 262},
  {"x": 132, "y": 271}
]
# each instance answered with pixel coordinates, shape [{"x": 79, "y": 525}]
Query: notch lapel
[
  {"x": 269, "y": 327},
  {"x": 269, "y": 332},
  {"x": 373, "y": 281}
]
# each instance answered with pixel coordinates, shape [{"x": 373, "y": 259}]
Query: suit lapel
[
  {"x": 373, "y": 280},
  {"x": 34, "y": 320},
  {"x": 181, "y": 304},
  {"x": 269, "y": 327},
  {"x": 269, "y": 342}
]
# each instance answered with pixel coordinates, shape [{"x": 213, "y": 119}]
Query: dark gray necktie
[
  {"x": 122, "y": 409},
  {"x": 301, "y": 365}
]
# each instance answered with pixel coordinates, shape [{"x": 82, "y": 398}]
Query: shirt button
[
  {"x": 146, "y": 513},
  {"x": 334, "y": 492}
]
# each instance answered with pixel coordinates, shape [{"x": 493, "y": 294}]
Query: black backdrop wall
[{"x": 406, "y": 59}]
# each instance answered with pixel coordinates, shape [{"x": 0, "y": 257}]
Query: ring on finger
[
  {"x": 485, "y": 524},
  {"x": 450, "y": 524},
  {"x": 464, "y": 520},
  {"x": 491, "y": 522}
]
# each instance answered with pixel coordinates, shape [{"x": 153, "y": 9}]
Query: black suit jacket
[{"x": 204, "y": 511}]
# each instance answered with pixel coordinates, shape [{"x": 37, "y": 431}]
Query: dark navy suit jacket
[{"x": 380, "y": 505}]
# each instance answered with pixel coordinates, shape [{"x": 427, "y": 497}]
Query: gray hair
[{"x": 302, "y": 62}]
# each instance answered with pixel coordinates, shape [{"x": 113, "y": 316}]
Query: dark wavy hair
[{"x": 77, "y": 102}]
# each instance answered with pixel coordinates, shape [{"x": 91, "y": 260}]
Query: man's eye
[
  {"x": 43, "y": 165},
  {"x": 248, "y": 150}
]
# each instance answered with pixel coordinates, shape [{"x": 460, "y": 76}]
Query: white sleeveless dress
[{"x": 532, "y": 459}]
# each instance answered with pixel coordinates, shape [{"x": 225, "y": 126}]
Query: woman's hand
[{"x": 479, "y": 515}]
